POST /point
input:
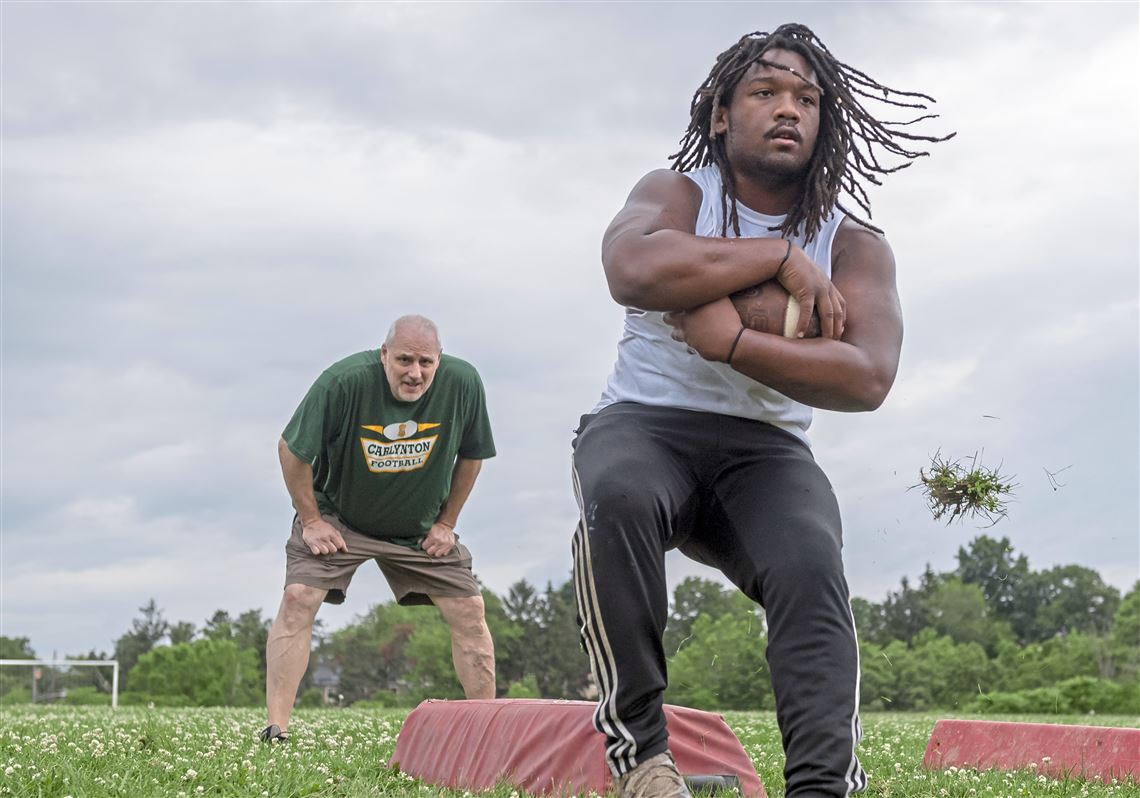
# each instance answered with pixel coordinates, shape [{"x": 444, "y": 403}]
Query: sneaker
[
  {"x": 656, "y": 777},
  {"x": 273, "y": 734}
]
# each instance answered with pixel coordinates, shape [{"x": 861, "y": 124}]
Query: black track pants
[{"x": 748, "y": 499}]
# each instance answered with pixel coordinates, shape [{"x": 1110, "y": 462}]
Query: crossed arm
[{"x": 654, "y": 261}]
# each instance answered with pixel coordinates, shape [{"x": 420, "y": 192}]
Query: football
[{"x": 765, "y": 308}]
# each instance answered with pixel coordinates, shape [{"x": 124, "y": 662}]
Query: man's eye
[
  {"x": 807, "y": 100},
  {"x": 763, "y": 92}
]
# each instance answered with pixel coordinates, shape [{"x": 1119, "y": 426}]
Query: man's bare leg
[
  {"x": 472, "y": 649},
  {"x": 287, "y": 650}
]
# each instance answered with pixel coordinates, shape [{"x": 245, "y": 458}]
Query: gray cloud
[{"x": 205, "y": 205}]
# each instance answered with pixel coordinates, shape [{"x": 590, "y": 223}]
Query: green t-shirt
[{"x": 382, "y": 465}]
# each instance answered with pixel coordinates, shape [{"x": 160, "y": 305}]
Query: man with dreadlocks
[{"x": 699, "y": 441}]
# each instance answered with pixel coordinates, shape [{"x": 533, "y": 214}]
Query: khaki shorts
[{"x": 413, "y": 574}]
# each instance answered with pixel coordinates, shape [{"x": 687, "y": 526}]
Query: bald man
[{"x": 379, "y": 459}]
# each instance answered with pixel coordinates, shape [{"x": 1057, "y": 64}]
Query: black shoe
[
  {"x": 273, "y": 734},
  {"x": 713, "y": 784}
]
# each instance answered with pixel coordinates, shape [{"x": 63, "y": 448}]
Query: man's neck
[{"x": 773, "y": 197}]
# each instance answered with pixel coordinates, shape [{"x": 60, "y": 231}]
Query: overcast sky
[{"x": 205, "y": 204}]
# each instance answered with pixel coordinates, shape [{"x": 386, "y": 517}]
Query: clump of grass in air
[{"x": 955, "y": 491}]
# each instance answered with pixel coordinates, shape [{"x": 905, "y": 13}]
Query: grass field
[{"x": 88, "y": 752}]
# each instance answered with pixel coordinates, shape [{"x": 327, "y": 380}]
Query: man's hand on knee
[
  {"x": 322, "y": 537},
  {"x": 439, "y": 541}
]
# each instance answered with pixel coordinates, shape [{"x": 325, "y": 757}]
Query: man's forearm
[
  {"x": 831, "y": 375},
  {"x": 674, "y": 270},
  {"x": 299, "y": 482},
  {"x": 462, "y": 481}
]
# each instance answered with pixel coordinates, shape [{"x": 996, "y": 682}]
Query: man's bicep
[
  {"x": 298, "y": 452},
  {"x": 662, "y": 200},
  {"x": 478, "y": 442},
  {"x": 864, "y": 272},
  {"x": 313, "y": 421}
]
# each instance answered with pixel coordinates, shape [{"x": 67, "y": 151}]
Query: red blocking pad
[
  {"x": 549, "y": 747},
  {"x": 1090, "y": 752}
]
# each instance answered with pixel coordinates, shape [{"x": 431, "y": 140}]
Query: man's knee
[
  {"x": 299, "y": 605},
  {"x": 817, "y": 559},
  {"x": 466, "y": 617}
]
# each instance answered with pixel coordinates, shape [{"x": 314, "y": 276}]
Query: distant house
[{"x": 327, "y": 678}]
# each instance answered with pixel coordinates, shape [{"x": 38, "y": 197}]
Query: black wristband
[{"x": 735, "y": 341}]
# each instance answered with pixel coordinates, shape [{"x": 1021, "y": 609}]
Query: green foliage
[
  {"x": 694, "y": 597},
  {"x": 956, "y": 491},
  {"x": 1126, "y": 627},
  {"x": 139, "y": 699},
  {"x": 206, "y": 672},
  {"x": 219, "y": 626},
  {"x": 561, "y": 665},
  {"x": 1045, "y": 664},
  {"x": 722, "y": 665},
  {"x": 387, "y": 699},
  {"x": 431, "y": 673},
  {"x": 1125, "y": 637},
  {"x": 545, "y": 643},
  {"x": 145, "y": 633},
  {"x": 960, "y": 612},
  {"x": 907, "y": 611},
  {"x": 312, "y": 698},
  {"x": 935, "y": 672},
  {"x": 86, "y": 696},
  {"x": 16, "y": 648},
  {"x": 504, "y": 633},
  {"x": 16, "y": 695},
  {"x": 182, "y": 632},
  {"x": 526, "y": 688},
  {"x": 1040, "y": 700},
  {"x": 15, "y": 680},
  {"x": 1086, "y": 694},
  {"x": 404, "y": 651},
  {"x": 868, "y": 619},
  {"x": 372, "y": 652},
  {"x": 1072, "y": 598},
  {"x": 1083, "y": 694},
  {"x": 1007, "y": 584}
]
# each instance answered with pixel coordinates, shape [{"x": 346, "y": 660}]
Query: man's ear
[{"x": 720, "y": 120}]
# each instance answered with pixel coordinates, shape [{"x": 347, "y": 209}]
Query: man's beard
[{"x": 774, "y": 172}]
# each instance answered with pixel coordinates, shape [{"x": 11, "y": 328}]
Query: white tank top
[{"x": 653, "y": 369}]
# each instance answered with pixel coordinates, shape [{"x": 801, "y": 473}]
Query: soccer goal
[{"x": 37, "y": 666}]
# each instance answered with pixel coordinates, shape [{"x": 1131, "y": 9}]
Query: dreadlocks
[{"x": 845, "y": 152}]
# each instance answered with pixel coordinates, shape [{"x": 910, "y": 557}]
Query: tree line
[{"x": 990, "y": 635}]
